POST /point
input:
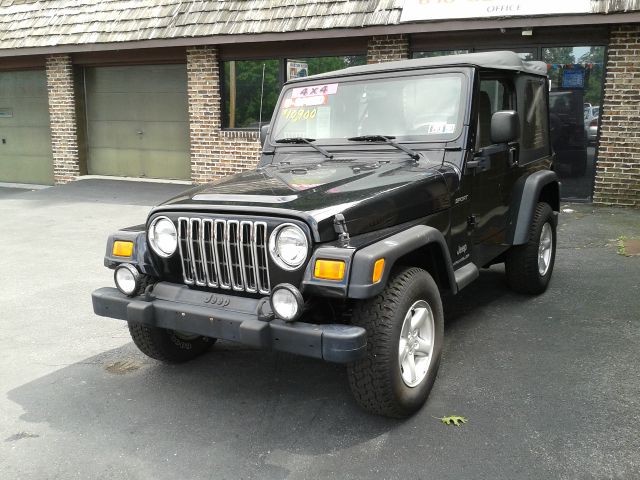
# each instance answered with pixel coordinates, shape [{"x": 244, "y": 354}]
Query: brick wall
[
  {"x": 62, "y": 114},
  {"x": 618, "y": 167},
  {"x": 386, "y": 48},
  {"x": 214, "y": 153}
]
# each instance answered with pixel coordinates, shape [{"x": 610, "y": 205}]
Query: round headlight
[
  {"x": 163, "y": 237},
  {"x": 127, "y": 279},
  {"x": 288, "y": 246},
  {"x": 287, "y": 302}
]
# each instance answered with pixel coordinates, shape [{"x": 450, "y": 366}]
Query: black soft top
[{"x": 504, "y": 60}]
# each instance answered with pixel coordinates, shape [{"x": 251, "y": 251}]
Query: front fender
[{"x": 391, "y": 249}]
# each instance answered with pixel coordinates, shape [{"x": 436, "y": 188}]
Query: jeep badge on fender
[{"x": 379, "y": 188}]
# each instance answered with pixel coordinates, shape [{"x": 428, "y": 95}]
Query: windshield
[{"x": 410, "y": 108}]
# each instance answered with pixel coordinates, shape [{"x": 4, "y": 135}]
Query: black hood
[{"x": 371, "y": 195}]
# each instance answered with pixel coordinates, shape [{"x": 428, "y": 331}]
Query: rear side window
[{"x": 534, "y": 118}]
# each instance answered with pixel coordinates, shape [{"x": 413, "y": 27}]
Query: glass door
[{"x": 575, "y": 102}]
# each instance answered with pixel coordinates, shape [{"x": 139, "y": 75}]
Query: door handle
[
  {"x": 478, "y": 164},
  {"x": 472, "y": 164},
  {"x": 513, "y": 156}
]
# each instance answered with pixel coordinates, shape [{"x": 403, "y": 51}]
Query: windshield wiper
[
  {"x": 388, "y": 139},
  {"x": 308, "y": 141}
]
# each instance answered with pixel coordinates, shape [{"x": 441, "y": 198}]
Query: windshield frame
[{"x": 466, "y": 74}]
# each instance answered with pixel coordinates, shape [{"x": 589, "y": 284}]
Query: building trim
[
  {"x": 542, "y": 36},
  {"x": 23, "y": 63},
  {"x": 175, "y": 55}
]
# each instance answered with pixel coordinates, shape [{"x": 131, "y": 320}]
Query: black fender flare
[
  {"x": 526, "y": 194},
  {"x": 391, "y": 249}
]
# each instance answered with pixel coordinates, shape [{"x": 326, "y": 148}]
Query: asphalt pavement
[{"x": 550, "y": 384}]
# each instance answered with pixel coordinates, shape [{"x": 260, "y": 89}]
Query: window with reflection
[
  {"x": 247, "y": 98},
  {"x": 575, "y": 106}
]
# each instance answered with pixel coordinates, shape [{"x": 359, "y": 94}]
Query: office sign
[{"x": 416, "y": 10}]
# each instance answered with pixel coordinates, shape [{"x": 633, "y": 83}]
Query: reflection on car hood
[{"x": 371, "y": 195}]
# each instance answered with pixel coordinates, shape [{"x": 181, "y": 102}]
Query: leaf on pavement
[{"x": 455, "y": 419}]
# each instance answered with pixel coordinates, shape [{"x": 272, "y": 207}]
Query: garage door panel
[
  {"x": 138, "y": 79},
  {"x": 167, "y": 136},
  {"x": 8, "y": 82},
  {"x": 25, "y": 112},
  {"x": 139, "y": 163},
  {"x": 25, "y": 149},
  {"x": 31, "y": 83},
  {"x": 142, "y": 106},
  {"x": 22, "y": 168},
  {"x": 137, "y": 121},
  {"x": 30, "y": 141},
  {"x": 155, "y": 135},
  {"x": 105, "y": 161},
  {"x": 164, "y": 164}
]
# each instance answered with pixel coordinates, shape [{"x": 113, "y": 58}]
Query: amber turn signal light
[
  {"x": 378, "y": 268},
  {"x": 122, "y": 249},
  {"x": 329, "y": 269}
]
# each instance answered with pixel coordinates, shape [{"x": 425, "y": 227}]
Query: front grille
[{"x": 228, "y": 254}]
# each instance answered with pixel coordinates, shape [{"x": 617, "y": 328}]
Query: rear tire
[
  {"x": 167, "y": 345},
  {"x": 529, "y": 266},
  {"x": 405, "y": 329}
]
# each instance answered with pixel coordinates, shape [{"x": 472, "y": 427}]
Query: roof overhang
[{"x": 405, "y": 28}]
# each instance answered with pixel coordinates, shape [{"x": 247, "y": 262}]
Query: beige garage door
[
  {"x": 25, "y": 140},
  {"x": 137, "y": 121}
]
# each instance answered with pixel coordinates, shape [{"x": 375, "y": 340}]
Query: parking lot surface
[{"x": 550, "y": 385}]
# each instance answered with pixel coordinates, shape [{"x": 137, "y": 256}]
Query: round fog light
[
  {"x": 287, "y": 302},
  {"x": 127, "y": 279}
]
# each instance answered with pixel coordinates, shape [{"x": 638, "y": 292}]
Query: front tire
[
  {"x": 405, "y": 329},
  {"x": 529, "y": 266},
  {"x": 167, "y": 345}
]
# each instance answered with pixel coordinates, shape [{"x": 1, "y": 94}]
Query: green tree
[
  {"x": 329, "y": 64},
  {"x": 558, "y": 55},
  {"x": 248, "y": 90},
  {"x": 594, "y": 75}
]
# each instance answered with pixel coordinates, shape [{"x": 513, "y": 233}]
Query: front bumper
[{"x": 239, "y": 319}]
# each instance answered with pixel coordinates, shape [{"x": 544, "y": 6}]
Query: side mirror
[
  {"x": 264, "y": 131},
  {"x": 505, "y": 126}
]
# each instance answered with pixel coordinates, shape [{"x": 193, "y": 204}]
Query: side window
[
  {"x": 495, "y": 94},
  {"x": 534, "y": 119}
]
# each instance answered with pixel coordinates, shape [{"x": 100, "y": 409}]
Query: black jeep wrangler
[{"x": 379, "y": 188}]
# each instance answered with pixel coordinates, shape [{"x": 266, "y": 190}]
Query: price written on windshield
[{"x": 298, "y": 114}]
